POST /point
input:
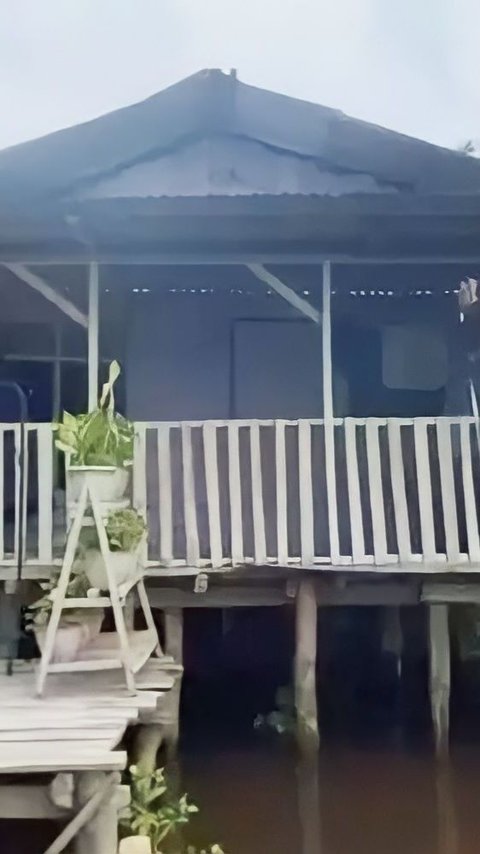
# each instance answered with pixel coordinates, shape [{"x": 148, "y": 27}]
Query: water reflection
[{"x": 258, "y": 801}]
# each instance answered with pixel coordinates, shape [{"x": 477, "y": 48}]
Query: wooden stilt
[
  {"x": 174, "y": 647},
  {"x": 439, "y": 654},
  {"x": 305, "y": 663},
  {"x": 148, "y": 741},
  {"x": 308, "y": 793},
  {"x": 447, "y": 821},
  {"x": 392, "y": 636},
  {"x": 100, "y": 834}
]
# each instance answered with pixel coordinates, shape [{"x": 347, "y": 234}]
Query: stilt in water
[
  {"x": 439, "y": 656},
  {"x": 150, "y": 737},
  {"x": 305, "y": 667}
]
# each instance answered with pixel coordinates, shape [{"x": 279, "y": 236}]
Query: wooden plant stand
[{"x": 110, "y": 650}]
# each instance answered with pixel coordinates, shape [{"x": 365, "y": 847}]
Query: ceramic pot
[
  {"x": 109, "y": 483},
  {"x": 124, "y": 566},
  {"x": 69, "y": 640}
]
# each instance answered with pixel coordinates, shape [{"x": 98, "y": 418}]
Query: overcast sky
[{"x": 411, "y": 65}]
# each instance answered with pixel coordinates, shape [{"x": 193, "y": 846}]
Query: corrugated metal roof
[
  {"x": 231, "y": 166},
  {"x": 210, "y": 104}
]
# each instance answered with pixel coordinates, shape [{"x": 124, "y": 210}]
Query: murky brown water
[
  {"x": 375, "y": 789},
  {"x": 368, "y": 802}
]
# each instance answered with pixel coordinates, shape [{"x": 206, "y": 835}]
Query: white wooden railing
[
  {"x": 215, "y": 494},
  {"x": 350, "y": 492}
]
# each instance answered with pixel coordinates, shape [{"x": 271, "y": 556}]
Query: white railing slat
[
  {"x": 235, "y": 492},
  {"x": 397, "y": 471},
  {"x": 281, "y": 492},
  {"x": 213, "y": 493},
  {"x": 377, "y": 502},
  {"x": 306, "y": 492},
  {"x": 190, "y": 508},
  {"x": 447, "y": 483},
  {"x": 165, "y": 494},
  {"x": 257, "y": 495},
  {"x": 469, "y": 493},
  {"x": 354, "y": 497},
  {"x": 424, "y": 484},
  {"x": 44, "y": 437},
  {"x": 331, "y": 478}
]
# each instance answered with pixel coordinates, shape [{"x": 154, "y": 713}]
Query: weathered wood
[
  {"x": 94, "y": 797},
  {"x": 305, "y": 667},
  {"x": 439, "y": 658},
  {"x": 190, "y": 509},
  {"x": 213, "y": 492},
  {"x": 469, "y": 493},
  {"x": 377, "y": 503},
  {"x": 165, "y": 494},
  {"x": 444, "y": 592},
  {"x": 257, "y": 495},
  {"x": 308, "y": 794},
  {"x": 399, "y": 493},
  {"x": 235, "y": 492},
  {"x": 281, "y": 493},
  {"x": 354, "y": 498},
  {"x": 306, "y": 492},
  {"x": 45, "y": 492},
  {"x": 424, "y": 483},
  {"x": 450, "y": 520}
]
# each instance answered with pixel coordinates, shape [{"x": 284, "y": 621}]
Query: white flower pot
[
  {"x": 124, "y": 565},
  {"x": 69, "y": 640},
  {"x": 135, "y": 845},
  {"x": 109, "y": 483}
]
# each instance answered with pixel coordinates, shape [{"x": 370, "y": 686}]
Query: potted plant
[
  {"x": 77, "y": 627},
  {"x": 126, "y": 531},
  {"x": 98, "y": 443},
  {"x": 152, "y": 816}
]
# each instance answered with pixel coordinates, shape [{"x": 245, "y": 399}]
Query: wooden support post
[
  {"x": 100, "y": 834},
  {"x": 392, "y": 636},
  {"x": 93, "y": 306},
  {"x": 174, "y": 647},
  {"x": 305, "y": 664},
  {"x": 309, "y": 807},
  {"x": 439, "y": 654}
]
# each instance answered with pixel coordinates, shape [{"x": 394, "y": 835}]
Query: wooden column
[
  {"x": 305, "y": 664},
  {"x": 174, "y": 647},
  {"x": 93, "y": 306},
  {"x": 439, "y": 657},
  {"x": 327, "y": 342},
  {"x": 100, "y": 834}
]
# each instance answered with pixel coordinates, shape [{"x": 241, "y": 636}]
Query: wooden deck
[{"x": 74, "y": 734}]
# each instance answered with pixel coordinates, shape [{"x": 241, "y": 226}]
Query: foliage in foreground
[{"x": 152, "y": 813}]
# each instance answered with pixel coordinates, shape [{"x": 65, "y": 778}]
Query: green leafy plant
[
  {"x": 151, "y": 813},
  {"x": 125, "y": 530},
  {"x": 38, "y": 614},
  {"x": 99, "y": 438}
]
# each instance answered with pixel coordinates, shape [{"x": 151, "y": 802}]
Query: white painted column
[
  {"x": 439, "y": 655},
  {"x": 327, "y": 342},
  {"x": 330, "y": 470},
  {"x": 93, "y": 306}
]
